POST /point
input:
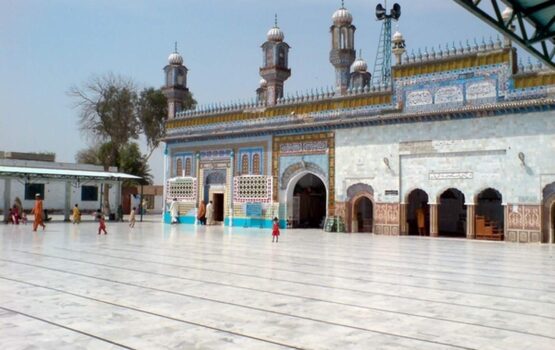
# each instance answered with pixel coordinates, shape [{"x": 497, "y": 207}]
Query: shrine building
[{"x": 462, "y": 137}]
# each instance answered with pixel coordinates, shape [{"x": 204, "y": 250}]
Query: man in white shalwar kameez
[
  {"x": 210, "y": 214},
  {"x": 174, "y": 211}
]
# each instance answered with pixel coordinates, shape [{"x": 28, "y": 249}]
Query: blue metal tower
[{"x": 382, "y": 65}]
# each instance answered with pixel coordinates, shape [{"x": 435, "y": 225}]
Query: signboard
[
  {"x": 253, "y": 209},
  {"x": 391, "y": 192}
]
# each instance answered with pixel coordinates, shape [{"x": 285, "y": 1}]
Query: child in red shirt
[
  {"x": 275, "y": 230},
  {"x": 101, "y": 222}
]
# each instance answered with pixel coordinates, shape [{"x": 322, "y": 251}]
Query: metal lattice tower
[{"x": 382, "y": 64}]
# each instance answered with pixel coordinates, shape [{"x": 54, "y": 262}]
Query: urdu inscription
[{"x": 451, "y": 175}]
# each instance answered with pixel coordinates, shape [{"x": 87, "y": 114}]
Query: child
[
  {"x": 101, "y": 222},
  {"x": 275, "y": 230},
  {"x": 132, "y": 217},
  {"x": 23, "y": 218},
  {"x": 76, "y": 214}
]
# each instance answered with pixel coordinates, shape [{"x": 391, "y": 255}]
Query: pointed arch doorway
[
  {"x": 307, "y": 200},
  {"x": 418, "y": 213}
]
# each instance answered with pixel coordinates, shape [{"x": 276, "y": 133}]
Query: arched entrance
[
  {"x": 452, "y": 214},
  {"x": 418, "y": 213},
  {"x": 308, "y": 201},
  {"x": 489, "y": 213},
  {"x": 363, "y": 215},
  {"x": 214, "y": 191},
  {"x": 548, "y": 214}
]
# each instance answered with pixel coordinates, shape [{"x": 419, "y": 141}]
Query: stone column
[
  {"x": 403, "y": 229},
  {"x": 231, "y": 185},
  {"x": 434, "y": 229},
  {"x": 505, "y": 220},
  {"x": 67, "y": 206},
  {"x": 118, "y": 197},
  {"x": 470, "y": 221},
  {"x": 7, "y": 195}
]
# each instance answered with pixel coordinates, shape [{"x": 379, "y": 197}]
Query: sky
[{"x": 47, "y": 46}]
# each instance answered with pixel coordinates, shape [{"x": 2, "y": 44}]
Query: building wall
[
  {"x": 55, "y": 196},
  {"x": 468, "y": 154}
]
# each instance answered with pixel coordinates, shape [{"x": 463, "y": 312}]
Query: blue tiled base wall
[{"x": 237, "y": 222}]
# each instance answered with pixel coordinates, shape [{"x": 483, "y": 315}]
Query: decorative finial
[
  {"x": 342, "y": 4},
  {"x": 175, "y": 47},
  {"x": 360, "y": 53},
  {"x": 275, "y": 20}
]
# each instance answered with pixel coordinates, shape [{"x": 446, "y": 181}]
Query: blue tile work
[{"x": 319, "y": 159}]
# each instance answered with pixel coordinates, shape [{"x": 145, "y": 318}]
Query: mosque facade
[{"x": 461, "y": 143}]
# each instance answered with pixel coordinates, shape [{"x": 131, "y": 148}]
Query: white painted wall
[
  {"x": 487, "y": 147},
  {"x": 55, "y": 195}
]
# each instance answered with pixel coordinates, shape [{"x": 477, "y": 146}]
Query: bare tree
[{"x": 108, "y": 116}]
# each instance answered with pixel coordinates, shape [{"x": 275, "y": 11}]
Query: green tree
[
  {"x": 131, "y": 161},
  {"x": 152, "y": 114}
]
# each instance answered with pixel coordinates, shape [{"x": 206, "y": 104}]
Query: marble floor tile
[{"x": 185, "y": 287}]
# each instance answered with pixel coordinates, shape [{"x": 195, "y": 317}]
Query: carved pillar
[
  {"x": 505, "y": 220},
  {"x": 434, "y": 230},
  {"x": 470, "y": 221},
  {"x": 403, "y": 219}
]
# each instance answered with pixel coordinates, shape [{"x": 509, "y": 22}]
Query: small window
[
  {"x": 256, "y": 164},
  {"x": 244, "y": 164},
  {"x": 89, "y": 193},
  {"x": 188, "y": 167},
  {"x": 179, "y": 167},
  {"x": 32, "y": 189}
]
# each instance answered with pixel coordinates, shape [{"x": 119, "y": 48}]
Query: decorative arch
[
  {"x": 299, "y": 167},
  {"x": 215, "y": 178},
  {"x": 355, "y": 193},
  {"x": 548, "y": 214},
  {"x": 452, "y": 213},
  {"x": 417, "y": 213},
  {"x": 489, "y": 214},
  {"x": 292, "y": 181}
]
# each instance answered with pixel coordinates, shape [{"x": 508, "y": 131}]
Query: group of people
[{"x": 205, "y": 214}]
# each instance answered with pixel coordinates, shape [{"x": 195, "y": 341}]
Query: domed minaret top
[
  {"x": 175, "y": 58},
  {"x": 275, "y": 34},
  {"x": 342, "y": 53},
  {"x": 398, "y": 47},
  {"x": 360, "y": 65},
  {"x": 342, "y": 16}
]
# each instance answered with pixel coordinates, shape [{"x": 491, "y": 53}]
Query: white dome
[
  {"x": 342, "y": 16},
  {"x": 360, "y": 65},
  {"x": 175, "y": 58},
  {"x": 263, "y": 82},
  {"x": 397, "y": 36},
  {"x": 507, "y": 13},
  {"x": 275, "y": 34}
]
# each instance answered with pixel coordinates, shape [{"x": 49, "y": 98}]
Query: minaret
[
  {"x": 175, "y": 88},
  {"x": 275, "y": 64},
  {"x": 398, "y": 47},
  {"x": 342, "y": 54},
  {"x": 360, "y": 77}
]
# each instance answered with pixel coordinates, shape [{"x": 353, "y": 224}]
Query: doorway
[
  {"x": 218, "y": 203},
  {"x": 452, "y": 214},
  {"x": 489, "y": 213},
  {"x": 363, "y": 214},
  {"x": 309, "y": 202},
  {"x": 418, "y": 213}
]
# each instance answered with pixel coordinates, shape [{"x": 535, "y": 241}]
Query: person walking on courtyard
[
  {"x": 120, "y": 213},
  {"x": 76, "y": 214},
  {"x": 101, "y": 222},
  {"x": 201, "y": 216},
  {"x": 174, "y": 211},
  {"x": 37, "y": 211},
  {"x": 132, "y": 217},
  {"x": 210, "y": 214},
  {"x": 15, "y": 214},
  {"x": 275, "y": 230},
  {"x": 421, "y": 221}
]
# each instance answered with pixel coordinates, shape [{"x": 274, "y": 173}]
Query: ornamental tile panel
[{"x": 252, "y": 188}]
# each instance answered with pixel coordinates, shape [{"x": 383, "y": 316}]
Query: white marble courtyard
[{"x": 162, "y": 287}]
